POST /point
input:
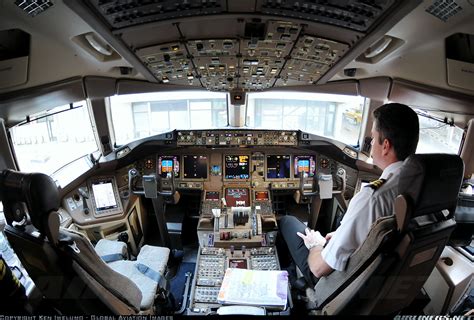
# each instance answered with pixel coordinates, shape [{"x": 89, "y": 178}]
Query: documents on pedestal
[{"x": 267, "y": 288}]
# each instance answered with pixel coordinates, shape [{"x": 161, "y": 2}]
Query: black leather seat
[{"x": 388, "y": 271}]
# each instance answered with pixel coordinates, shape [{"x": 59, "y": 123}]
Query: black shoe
[{"x": 301, "y": 284}]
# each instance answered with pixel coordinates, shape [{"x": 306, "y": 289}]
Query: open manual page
[{"x": 254, "y": 287}]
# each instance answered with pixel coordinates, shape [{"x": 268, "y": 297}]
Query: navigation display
[
  {"x": 104, "y": 196},
  {"x": 168, "y": 164},
  {"x": 278, "y": 166},
  {"x": 305, "y": 164},
  {"x": 236, "y": 167},
  {"x": 195, "y": 167}
]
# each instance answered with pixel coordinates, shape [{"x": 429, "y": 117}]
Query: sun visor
[
  {"x": 14, "y": 57},
  {"x": 460, "y": 60}
]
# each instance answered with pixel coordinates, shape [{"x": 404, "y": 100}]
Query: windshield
[
  {"x": 138, "y": 116},
  {"x": 334, "y": 116},
  {"x": 56, "y": 138}
]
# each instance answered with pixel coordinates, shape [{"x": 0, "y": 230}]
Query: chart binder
[{"x": 267, "y": 288}]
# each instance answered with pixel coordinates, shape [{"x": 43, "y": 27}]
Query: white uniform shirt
[{"x": 365, "y": 207}]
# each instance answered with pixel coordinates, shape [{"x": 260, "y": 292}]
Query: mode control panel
[{"x": 237, "y": 138}]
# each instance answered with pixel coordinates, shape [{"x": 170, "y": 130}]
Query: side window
[
  {"x": 54, "y": 138},
  {"x": 438, "y": 137}
]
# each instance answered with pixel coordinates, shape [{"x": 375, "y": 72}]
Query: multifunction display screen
[
  {"x": 261, "y": 195},
  {"x": 236, "y": 167},
  {"x": 104, "y": 196},
  {"x": 195, "y": 167},
  {"x": 278, "y": 166},
  {"x": 238, "y": 263},
  {"x": 237, "y": 197},
  {"x": 305, "y": 164},
  {"x": 167, "y": 165},
  {"x": 212, "y": 195}
]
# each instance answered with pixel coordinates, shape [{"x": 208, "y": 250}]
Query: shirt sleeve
[{"x": 352, "y": 232}]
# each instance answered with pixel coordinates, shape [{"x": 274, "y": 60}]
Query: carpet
[{"x": 179, "y": 280}]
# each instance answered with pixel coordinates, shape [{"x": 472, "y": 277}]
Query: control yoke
[
  {"x": 305, "y": 192},
  {"x": 169, "y": 183},
  {"x": 341, "y": 175},
  {"x": 152, "y": 186},
  {"x": 133, "y": 176}
]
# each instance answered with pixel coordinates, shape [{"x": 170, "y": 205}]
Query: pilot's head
[{"x": 394, "y": 133}]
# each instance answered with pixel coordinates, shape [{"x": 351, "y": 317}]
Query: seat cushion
[
  {"x": 147, "y": 286},
  {"x": 156, "y": 258}
]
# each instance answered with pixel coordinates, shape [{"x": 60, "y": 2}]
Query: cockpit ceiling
[{"x": 221, "y": 45}]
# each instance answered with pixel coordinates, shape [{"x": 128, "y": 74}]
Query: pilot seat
[
  {"x": 65, "y": 267},
  {"x": 387, "y": 272}
]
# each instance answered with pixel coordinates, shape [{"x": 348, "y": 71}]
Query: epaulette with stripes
[{"x": 376, "y": 183}]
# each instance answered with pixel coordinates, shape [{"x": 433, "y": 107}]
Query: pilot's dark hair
[{"x": 399, "y": 124}]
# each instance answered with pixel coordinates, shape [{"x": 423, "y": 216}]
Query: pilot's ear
[{"x": 386, "y": 145}]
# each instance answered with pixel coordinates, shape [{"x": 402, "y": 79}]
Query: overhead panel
[
  {"x": 312, "y": 57},
  {"x": 263, "y": 58},
  {"x": 274, "y": 52},
  {"x": 225, "y": 45},
  {"x": 216, "y": 62},
  {"x": 168, "y": 62}
]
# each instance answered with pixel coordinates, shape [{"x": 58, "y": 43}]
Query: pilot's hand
[
  {"x": 312, "y": 238},
  {"x": 329, "y": 235}
]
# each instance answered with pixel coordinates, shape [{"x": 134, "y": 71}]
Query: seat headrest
[
  {"x": 37, "y": 190},
  {"x": 431, "y": 182}
]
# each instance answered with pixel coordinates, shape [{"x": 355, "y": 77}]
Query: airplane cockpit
[{"x": 150, "y": 149}]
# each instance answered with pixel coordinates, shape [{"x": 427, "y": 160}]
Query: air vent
[
  {"x": 34, "y": 7},
  {"x": 444, "y": 9}
]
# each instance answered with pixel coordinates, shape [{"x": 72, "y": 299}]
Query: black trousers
[{"x": 289, "y": 225}]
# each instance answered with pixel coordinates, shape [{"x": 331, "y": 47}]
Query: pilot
[
  {"x": 394, "y": 137},
  {"x": 12, "y": 292}
]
